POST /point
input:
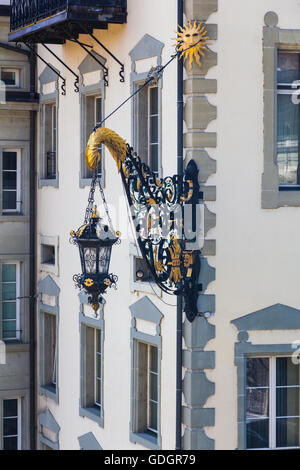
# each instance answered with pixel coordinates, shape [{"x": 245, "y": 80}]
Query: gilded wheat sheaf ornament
[{"x": 192, "y": 41}]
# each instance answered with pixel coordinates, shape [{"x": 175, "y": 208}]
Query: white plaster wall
[
  {"x": 62, "y": 209},
  {"x": 257, "y": 250}
]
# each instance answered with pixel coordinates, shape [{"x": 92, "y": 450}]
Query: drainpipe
[
  {"x": 179, "y": 172},
  {"x": 32, "y": 250}
]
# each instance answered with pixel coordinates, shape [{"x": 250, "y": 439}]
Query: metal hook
[
  {"x": 121, "y": 73},
  {"x": 76, "y": 85},
  {"x": 105, "y": 76},
  {"x": 63, "y": 87}
]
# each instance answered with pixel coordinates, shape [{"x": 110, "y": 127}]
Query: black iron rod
[
  {"x": 179, "y": 330},
  {"x": 92, "y": 55},
  {"x": 47, "y": 63},
  {"x": 101, "y": 45},
  {"x": 61, "y": 61}
]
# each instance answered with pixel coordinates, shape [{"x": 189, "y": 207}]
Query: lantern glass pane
[
  {"x": 104, "y": 259},
  {"x": 90, "y": 260}
]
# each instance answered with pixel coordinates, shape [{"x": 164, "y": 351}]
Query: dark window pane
[
  {"x": 153, "y": 387},
  {"x": 153, "y": 359},
  {"x": 154, "y": 158},
  {"x": 98, "y": 113},
  {"x": 9, "y": 161},
  {"x": 287, "y": 67},
  {"x": 9, "y": 273},
  {"x": 9, "y": 200},
  {"x": 153, "y": 416},
  {"x": 258, "y": 372},
  {"x": 9, "y": 329},
  {"x": 154, "y": 100},
  {"x": 10, "y": 443},
  {"x": 8, "y": 291},
  {"x": 10, "y": 426},
  {"x": 9, "y": 310},
  {"x": 257, "y": 403},
  {"x": 9, "y": 180},
  {"x": 287, "y": 401},
  {"x": 287, "y": 373},
  {"x": 153, "y": 129},
  {"x": 287, "y": 432},
  {"x": 258, "y": 434},
  {"x": 8, "y": 77},
  {"x": 287, "y": 140},
  {"x": 10, "y": 408}
]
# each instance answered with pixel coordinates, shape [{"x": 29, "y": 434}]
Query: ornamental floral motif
[{"x": 89, "y": 282}]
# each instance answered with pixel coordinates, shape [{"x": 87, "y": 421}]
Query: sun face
[{"x": 192, "y": 41}]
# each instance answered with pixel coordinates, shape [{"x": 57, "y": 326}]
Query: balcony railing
[{"x": 31, "y": 13}]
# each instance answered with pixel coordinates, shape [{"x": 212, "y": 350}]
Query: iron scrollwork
[{"x": 164, "y": 212}]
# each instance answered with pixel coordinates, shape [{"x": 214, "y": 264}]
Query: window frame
[
  {"x": 18, "y": 75},
  {"x": 97, "y": 92},
  {"x": 54, "y": 242},
  {"x": 52, "y": 101},
  {"x": 135, "y": 121},
  {"x": 47, "y": 287},
  {"x": 18, "y": 303},
  {"x": 274, "y": 195},
  {"x": 18, "y": 151},
  {"x": 19, "y": 421},
  {"x": 95, "y": 413},
  {"x": 272, "y": 401}
]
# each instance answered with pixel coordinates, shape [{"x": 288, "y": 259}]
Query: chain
[
  {"x": 105, "y": 206},
  {"x": 91, "y": 200}
]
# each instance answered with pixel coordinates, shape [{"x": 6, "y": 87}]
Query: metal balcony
[{"x": 55, "y": 21}]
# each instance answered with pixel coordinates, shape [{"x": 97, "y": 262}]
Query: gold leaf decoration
[{"x": 115, "y": 144}]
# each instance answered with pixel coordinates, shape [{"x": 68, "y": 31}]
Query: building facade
[
  {"x": 18, "y": 105},
  {"x": 109, "y": 382}
]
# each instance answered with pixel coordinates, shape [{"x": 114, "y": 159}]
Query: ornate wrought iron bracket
[
  {"x": 63, "y": 86},
  {"x": 105, "y": 69},
  {"x": 76, "y": 83},
  {"x": 165, "y": 214},
  {"x": 121, "y": 73}
]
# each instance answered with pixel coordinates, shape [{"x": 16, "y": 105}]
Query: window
[
  {"x": 48, "y": 254},
  {"x": 288, "y": 72},
  {"x": 147, "y": 133},
  {"x": 272, "y": 403},
  {"x": 142, "y": 272},
  {"x": 11, "y": 77},
  {"x": 91, "y": 386},
  {"x": 11, "y": 424},
  {"x": 91, "y": 116},
  {"x": 11, "y": 181},
  {"x": 147, "y": 389},
  {"x": 10, "y": 290},
  {"x": 141, "y": 278},
  {"x": 50, "y": 140},
  {"x": 49, "y": 353}
]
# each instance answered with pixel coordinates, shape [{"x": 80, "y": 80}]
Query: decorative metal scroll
[{"x": 164, "y": 212}]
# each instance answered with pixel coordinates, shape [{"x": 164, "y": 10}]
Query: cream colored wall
[
  {"x": 62, "y": 209},
  {"x": 256, "y": 260},
  {"x": 257, "y": 250}
]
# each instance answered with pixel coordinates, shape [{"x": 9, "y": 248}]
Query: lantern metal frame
[{"x": 94, "y": 234}]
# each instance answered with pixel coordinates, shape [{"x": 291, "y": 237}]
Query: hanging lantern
[{"x": 95, "y": 240}]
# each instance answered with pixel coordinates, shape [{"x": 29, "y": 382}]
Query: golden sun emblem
[{"x": 192, "y": 42}]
